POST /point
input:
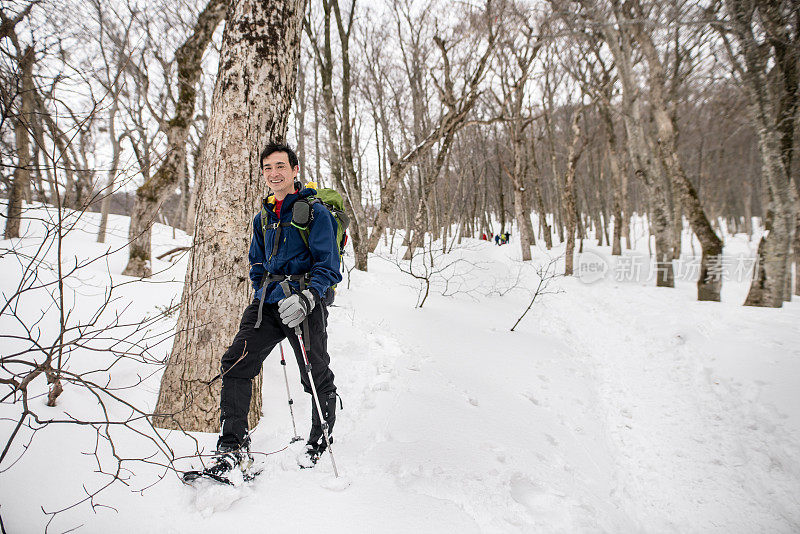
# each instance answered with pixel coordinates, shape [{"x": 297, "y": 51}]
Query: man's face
[{"x": 279, "y": 174}]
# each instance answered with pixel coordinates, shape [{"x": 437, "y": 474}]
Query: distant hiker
[
  {"x": 282, "y": 261},
  {"x": 483, "y": 237},
  {"x": 497, "y": 240},
  {"x": 507, "y": 237}
]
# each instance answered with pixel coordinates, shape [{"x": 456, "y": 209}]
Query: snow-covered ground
[{"x": 614, "y": 406}]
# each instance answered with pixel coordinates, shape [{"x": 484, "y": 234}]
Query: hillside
[{"x": 614, "y": 406}]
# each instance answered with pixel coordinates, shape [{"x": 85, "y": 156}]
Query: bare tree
[
  {"x": 252, "y": 98},
  {"x": 516, "y": 53},
  {"x": 113, "y": 39},
  {"x": 547, "y": 274},
  {"x": 24, "y": 96},
  {"x": 151, "y": 195},
  {"x": 570, "y": 209},
  {"x": 708, "y": 286},
  {"x": 450, "y": 121},
  {"x": 766, "y": 32},
  {"x": 341, "y": 140},
  {"x": 620, "y": 40}
]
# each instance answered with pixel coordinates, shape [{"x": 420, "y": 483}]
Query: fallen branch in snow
[
  {"x": 546, "y": 273},
  {"x": 66, "y": 327},
  {"x": 435, "y": 270},
  {"x": 172, "y": 251}
]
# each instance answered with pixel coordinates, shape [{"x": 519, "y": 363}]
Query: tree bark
[
  {"x": 116, "y": 149},
  {"x": 558, "y": 211},
  {"x": 573, "y": 153},
  {"x": 773, "y": 267},
  {"x": 708, "y": 285},
  {"x": 537, "y": 191},
  {"x": 428, "y": 187},
  {"x": 619, "y": 41},
  {"x": 616, "y": 176},
  {"x": 22, "y": 125},
  {"x": 152, "y": 194},
  {"x": 252, "y": 99},
  {"x": 522, "y": 211}
]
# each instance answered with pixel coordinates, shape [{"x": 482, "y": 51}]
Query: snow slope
[{"x": 613, "y": 407}]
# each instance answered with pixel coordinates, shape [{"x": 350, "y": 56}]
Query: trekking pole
[
  {"x": 289, "y": 395},
  {"x": 316, "y": 398}
]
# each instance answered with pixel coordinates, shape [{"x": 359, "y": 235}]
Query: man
[{"x": 281, "y": 261}]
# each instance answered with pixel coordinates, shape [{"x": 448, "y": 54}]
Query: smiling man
[{"x": 282, "y": 262}]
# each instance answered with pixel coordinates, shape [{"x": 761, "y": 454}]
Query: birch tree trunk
[
  {"x": 152, "y": 194},
  {"x": 252, "y": 97},
  {"x": 22, "y": 174},
  {"x": 570, "y": 212},
  {"x": 797, "y": 258},
  {"x": 619, "y": 41},
  {"x": 533, "y": 168},
  {"x": 558, "y": 211},
  {"x": 773, "y": 267},
  {"x": 708, "y": 286},
  {"x": 428, "y": 187},
  {"x": 616, "y": 176},
  {"x": 522, "y": 211},
  {"x": 116, "y": 149}
]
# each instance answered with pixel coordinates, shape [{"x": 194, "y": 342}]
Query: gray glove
[{"x": 294, "y": 309}]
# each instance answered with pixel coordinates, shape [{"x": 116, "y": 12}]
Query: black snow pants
[{"x": 244, "y": 358}]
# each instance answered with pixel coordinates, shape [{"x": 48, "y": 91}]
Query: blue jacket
[{"x": 320, "y": 258}]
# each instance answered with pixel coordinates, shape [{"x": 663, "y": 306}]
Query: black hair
[{"x": 278, "y": 147}]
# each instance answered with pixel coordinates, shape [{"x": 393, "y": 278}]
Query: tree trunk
[
  {"x": 340, "y": 139},
  {"x": 573, "y": 154},
  {"x": 616, "y": 176},
  {"x": 708, "y": 285},
  {"x": 190, "y": 222},
  {"x": 501, "y": 198},
  {"x": 537, "y": 191},
  {"x": 352, "y": 191},
  {"x": 773, "y": 260},
  {"x": 108, "y": 190},
  {"x": 152, "y": 194},
  {"x": 427, "y": 190},
  {"x": 522, "y": 211},
  {"x": 558, "y": 212},
  {"x": 22, "y": 124},
  {"x": 182, "y": 211},
  {"x": 619, "y": 41},
  {"x": 769, "y": 114},
  {"x": 252, "y": 99},
  {"x": 797, "y": 258}
]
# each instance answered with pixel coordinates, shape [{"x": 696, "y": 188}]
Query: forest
[
  {"x": 557, "y": 123},
  {"x": 581, "y": 114}
]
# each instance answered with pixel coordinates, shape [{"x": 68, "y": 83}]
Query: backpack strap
[
  {"x": 274, "y": 226},
  {"x": 306, "y": 230},
  {"x": 276, "y": 242},
  {"x": 301, "y": 279}
]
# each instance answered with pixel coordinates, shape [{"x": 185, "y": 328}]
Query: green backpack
[
  {"x": 303, "y": 215},
  {"x": 331, "y": 199}
]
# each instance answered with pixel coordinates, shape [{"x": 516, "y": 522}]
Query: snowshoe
[{"x": 221, "y": 471}]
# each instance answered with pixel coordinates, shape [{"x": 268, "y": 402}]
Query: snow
[{"x": 614, "y": 406}]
